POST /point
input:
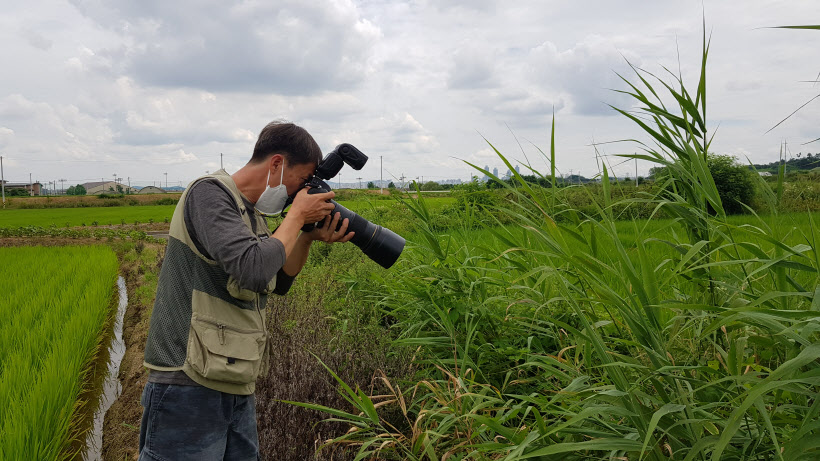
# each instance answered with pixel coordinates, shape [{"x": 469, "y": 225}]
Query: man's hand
[
  {"x": 311, "y": 208},
  {"x": 328, "y": 233}
]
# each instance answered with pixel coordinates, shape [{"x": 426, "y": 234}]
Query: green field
[
  {"x": 54, "y": 307},
  {"x": 107, "y": 216},
  {"x": 71, "y": 217}
]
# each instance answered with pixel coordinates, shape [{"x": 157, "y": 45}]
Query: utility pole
[
  {"x": 785, "y": 156},
  {"x": 636, "y": 171},
  {"x": 381, "y": 174},
  {"x": 360, "y": 182},
  {"x": 166, "y": 180},
  {"x": 129, "y": 184},
  {"x": 62, "y": 186},
  {"x": 2, "y": 181},
  {"x": 220, "y": 161},
  {"x": 114, "y": 188},
  {"x": 30, "y": 186}
]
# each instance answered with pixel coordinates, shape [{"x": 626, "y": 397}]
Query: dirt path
[{"x": 122, "y": 421}]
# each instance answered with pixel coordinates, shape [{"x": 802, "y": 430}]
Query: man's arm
[
  {"x": 219, "y": 232},
  {"x": 306, "y": 208},
  {"x": 326, "y": 233},
  {"x": 299, "y": 254}
]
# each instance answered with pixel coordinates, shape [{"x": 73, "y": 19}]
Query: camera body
[{"x": 378, "y": 243}]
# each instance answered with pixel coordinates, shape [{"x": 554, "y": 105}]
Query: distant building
[
  {"x": 151, "y": 190},
  {"x": 37, "y": 188},
  {"x": 764, "y": 173},
  {"x": 107, "y": 187}
]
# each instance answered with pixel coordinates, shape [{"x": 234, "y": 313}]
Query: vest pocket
[{"x": 222, "y": 352}]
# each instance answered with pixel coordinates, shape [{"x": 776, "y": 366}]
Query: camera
[{"x": 378, "y": 243}]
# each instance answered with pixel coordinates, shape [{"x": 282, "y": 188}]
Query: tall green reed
[{"x": 558, "y": 340}]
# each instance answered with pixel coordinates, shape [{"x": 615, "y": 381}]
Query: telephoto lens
[{"x": 378, "y": 243}]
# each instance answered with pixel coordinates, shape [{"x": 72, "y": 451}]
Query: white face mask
[{"x": 273, "y": 200}]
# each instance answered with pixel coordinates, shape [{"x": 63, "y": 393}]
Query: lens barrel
[{"x": 378, "y": 243}]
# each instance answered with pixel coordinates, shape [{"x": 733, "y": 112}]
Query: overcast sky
[{"x": 91, "y": 88}]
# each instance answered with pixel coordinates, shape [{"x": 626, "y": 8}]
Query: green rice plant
[
  {"x": 78, "y": 216},
  {"x": 55, "y": 304}
]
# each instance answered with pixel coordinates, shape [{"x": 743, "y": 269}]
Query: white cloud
[
  {"x": 286, "y": 47},
  {"x": 585, "y": 72},
  {"x": 35, "y": 39},
  {"x": 472, "y": 68},
  {"x": 125, "y": 86},
  {"x": 6, "y": 135}
]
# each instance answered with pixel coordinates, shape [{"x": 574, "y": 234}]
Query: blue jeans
[{"x": 181, "y": 423}]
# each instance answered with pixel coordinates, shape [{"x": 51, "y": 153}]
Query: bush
[
  {"x": 735, "y": 182},
  {"x": 167, "y": 201}
]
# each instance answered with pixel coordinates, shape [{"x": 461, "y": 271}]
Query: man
[{"x": 207, "y": 337}]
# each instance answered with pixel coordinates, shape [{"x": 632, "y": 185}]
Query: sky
[{"x": 97, "y": 88}]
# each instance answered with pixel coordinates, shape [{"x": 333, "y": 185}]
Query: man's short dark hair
[{"x": 288, "y": 139}]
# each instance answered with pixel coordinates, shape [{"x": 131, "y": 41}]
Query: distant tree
[
  {"x": 79, "y": 189},
  {"x": 371, "y": 185},
  {"x": 391, "y": 185},
  {"x": 119, "y": 189},
  {"x": 430, "y": 185},
  {"x": 656, "y": 171}
]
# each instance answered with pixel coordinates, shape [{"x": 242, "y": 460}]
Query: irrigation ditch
[{"x": 111, "y": 387}]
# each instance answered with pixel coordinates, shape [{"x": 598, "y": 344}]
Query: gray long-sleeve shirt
[{"x": 216, "y": 228}]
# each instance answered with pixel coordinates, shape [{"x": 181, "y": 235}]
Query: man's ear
[{"x": 275, "y": 161}]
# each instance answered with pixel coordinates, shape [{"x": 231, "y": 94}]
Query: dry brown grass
[{"x": 301, "y": 325}]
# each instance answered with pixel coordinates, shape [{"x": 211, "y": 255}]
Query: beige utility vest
[{"x": 203, "y": 323}]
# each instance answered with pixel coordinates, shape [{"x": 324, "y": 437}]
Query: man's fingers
[
  {"x": 347, "y": 237},
  {"x": 324, "y": 196},
  {"x": 343, "y": 227}
]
